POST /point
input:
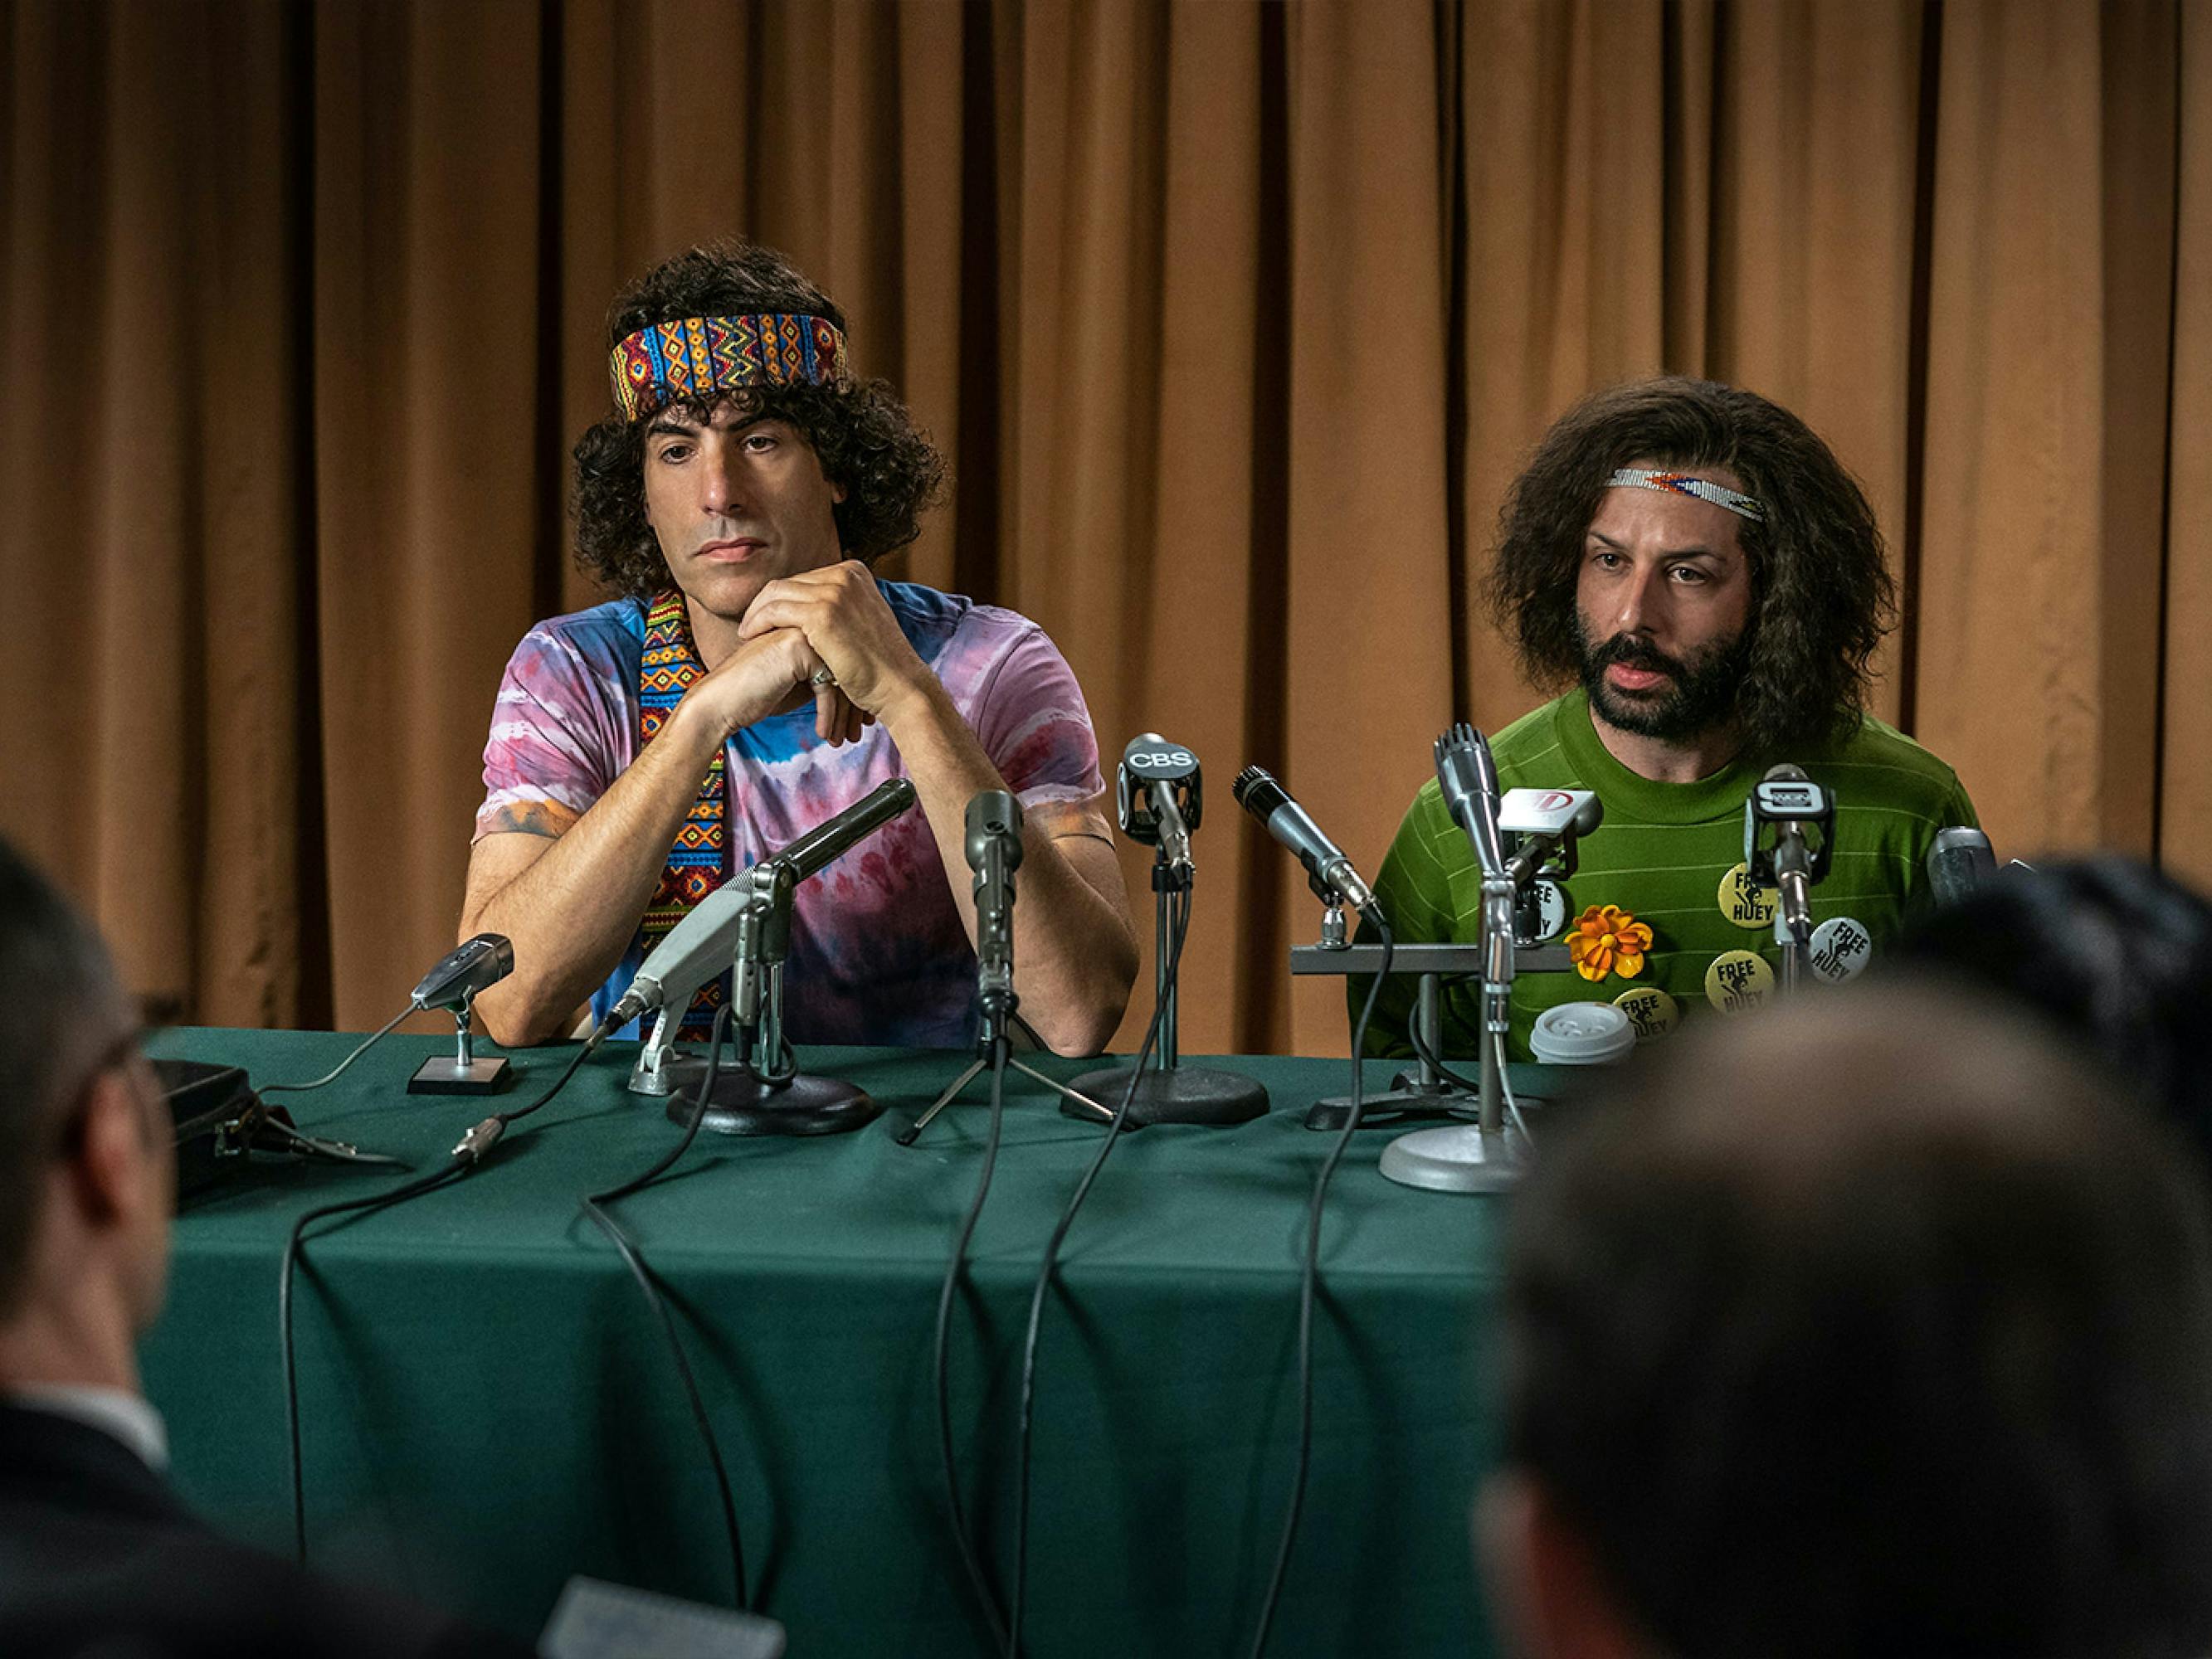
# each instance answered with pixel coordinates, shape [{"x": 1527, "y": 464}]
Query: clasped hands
[{"x": 824, "y": 633}]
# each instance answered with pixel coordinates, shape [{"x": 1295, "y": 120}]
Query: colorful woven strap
[
  {"x": 1682, "y": 483},
  {"x": 694, "y": 355},
  {"x": 696, "y": 863}
]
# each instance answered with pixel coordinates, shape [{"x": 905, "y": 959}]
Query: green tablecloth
[{"x": 487, "y": 1407}]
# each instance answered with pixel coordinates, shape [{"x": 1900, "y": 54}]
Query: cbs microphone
[{"x": 1157, "y": 796}]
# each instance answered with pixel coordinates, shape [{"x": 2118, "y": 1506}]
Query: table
[{"x": 487, "y": 1407}]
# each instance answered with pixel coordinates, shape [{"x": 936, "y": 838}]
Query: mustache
[{"x": 1632, "y": 652}]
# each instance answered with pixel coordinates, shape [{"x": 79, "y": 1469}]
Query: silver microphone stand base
[
  {"x": 1465, "y": 1158},
  {"x": 1191, "y": 1094},
  {"x": 743, "y": 1104}
]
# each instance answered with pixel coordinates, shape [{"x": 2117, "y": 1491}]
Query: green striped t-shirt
[{"x": 1661, "y": 854}]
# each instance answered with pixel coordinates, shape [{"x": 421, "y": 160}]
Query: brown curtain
[{"x": 1234, "y": 320}]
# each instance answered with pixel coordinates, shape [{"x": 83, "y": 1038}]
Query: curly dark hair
[
  {"x": 866, "y": 440},
  {"x": 1821, "y": 592}
]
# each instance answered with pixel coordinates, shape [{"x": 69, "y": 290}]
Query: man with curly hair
[
  {"x": 754, "y": 678},
  {"x": 1694, "y": 562}
]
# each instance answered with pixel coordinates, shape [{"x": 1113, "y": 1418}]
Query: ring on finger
[{"x": 822, "y": 676}]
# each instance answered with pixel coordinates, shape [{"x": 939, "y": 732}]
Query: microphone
[
  {"x": 1468, "y": 774},
  {"x": 1793, "y": 804},
  {"x": 470, "y": 967},
  {"x": 1330, "y": 873},
  {"x": 1156, "y": 789},
  {"x": 704, "y": 941},
  {"x": 1959, "y": 862},
  {"x": 828, "y": 841},
  {"x": 1546, "y": 823},
  {"x": 994, "y": 852}
]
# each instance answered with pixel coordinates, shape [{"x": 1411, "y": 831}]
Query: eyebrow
[
  {"x": 669, "y": 425},
  {"x": 1692, "y": 552}
]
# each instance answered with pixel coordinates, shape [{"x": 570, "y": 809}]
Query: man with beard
[{"x": 1696, "y": 563}]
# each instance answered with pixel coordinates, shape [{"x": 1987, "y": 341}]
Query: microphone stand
[
  {"x": 754, "y": 1097},
  {"x": 1167, "y": 1092},
  {"x": 998, "y": 1011},
  {"x": 1482, "y": 1156},
  {"x": 1073, "y": 1102}
]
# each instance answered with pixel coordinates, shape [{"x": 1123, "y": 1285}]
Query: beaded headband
[
  {"x": 1681, "y": 483},
  {"x": 693, "y": 356}
]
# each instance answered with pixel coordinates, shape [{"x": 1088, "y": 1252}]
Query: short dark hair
[
  {"x": 61, "y": 1009},
  {"x": 863, "y": 435},
  {"x": 1917, "y": 1361},
  {"x": 1822, "y": 596},
  {"x": 2114, "y": 953}
]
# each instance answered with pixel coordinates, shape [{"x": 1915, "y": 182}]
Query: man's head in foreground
[
  {"x": 86, "y": 1178},
  {"x": 741, "y": 448},
  {"x": 1697, "y": 558},
  {"x": 1879, "y": 1328}
]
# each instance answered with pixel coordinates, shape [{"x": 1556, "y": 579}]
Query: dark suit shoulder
[{"x": 99, "y": 1557}]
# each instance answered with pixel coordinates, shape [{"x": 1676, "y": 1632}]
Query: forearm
[
  {"x": 1075, "y": 956},
  {"x": 574, "y": 910}
]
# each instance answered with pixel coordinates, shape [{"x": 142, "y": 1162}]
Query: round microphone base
[
  {"x": 1462, "y": 1158},
  {"x": 741, "y": 1104},
  {"x": 1188, "y": 1094},
  {"x": 1393, "y": 1106}
]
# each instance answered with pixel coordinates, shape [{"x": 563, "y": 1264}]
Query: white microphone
[{"x": 691, "y": 952}]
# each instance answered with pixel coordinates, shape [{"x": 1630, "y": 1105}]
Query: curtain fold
[{"x": 1234, "y": 320}]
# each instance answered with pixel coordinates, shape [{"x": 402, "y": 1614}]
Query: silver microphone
[
  {"x": 472, "y": 966},
  {"x": 1328, "y": 870},
  {"x": 1467, "y": 773},
  {"x": 702, "y": 943},
  {"x": 1959, "y": 861}
]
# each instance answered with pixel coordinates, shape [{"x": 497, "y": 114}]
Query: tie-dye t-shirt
[{"x": 878, "y": 953}]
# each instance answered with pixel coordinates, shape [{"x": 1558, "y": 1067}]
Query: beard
[{"x": 1700, "y": 694}]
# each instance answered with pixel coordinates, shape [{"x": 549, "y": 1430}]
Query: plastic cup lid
[{"x": 1581, "y": 1033}]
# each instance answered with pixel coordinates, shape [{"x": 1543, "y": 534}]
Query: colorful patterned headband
[
  {"x": 694, "y": 355},
  {"x": 1683, "y": 485}
]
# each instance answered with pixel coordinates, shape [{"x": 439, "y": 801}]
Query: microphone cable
[
  {"x": 969, "y": 1558},
  {"x": 1181, "y": 925},
  {"x": 473, "y": 1146},
  {"x": 1422, "y": 1051},
  {"x": 337, "y": 1070},
  {"x": 592, "y": 1204},
  {"x": 1311, "y": 1273}
]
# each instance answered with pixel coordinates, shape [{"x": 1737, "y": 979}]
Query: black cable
[
  {"x": 968, "y": 1556},
  {"x": 438, "y": 1177},
  {"x": 1422, "y": 1051},
  {"x": 1306, "y": 1301},
  {"x": 336, "y": 1071},
  {"x": 1181, "y": 925},
  {"x": 634, "y": 1260},
  {"x": 473, "y": 1146}
]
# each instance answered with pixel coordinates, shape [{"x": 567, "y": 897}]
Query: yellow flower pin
[{"x": 1607, "y": 940}]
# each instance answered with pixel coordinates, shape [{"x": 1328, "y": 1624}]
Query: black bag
[{"x": 219, "y": 1121}]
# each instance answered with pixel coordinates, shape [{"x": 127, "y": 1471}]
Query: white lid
[{"x": 1581, "y": 1033}]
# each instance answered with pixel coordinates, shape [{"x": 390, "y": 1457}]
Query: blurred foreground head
[
  {"x": 1879, "y": 1328},
  {"x": 2115, "y": 954}
]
